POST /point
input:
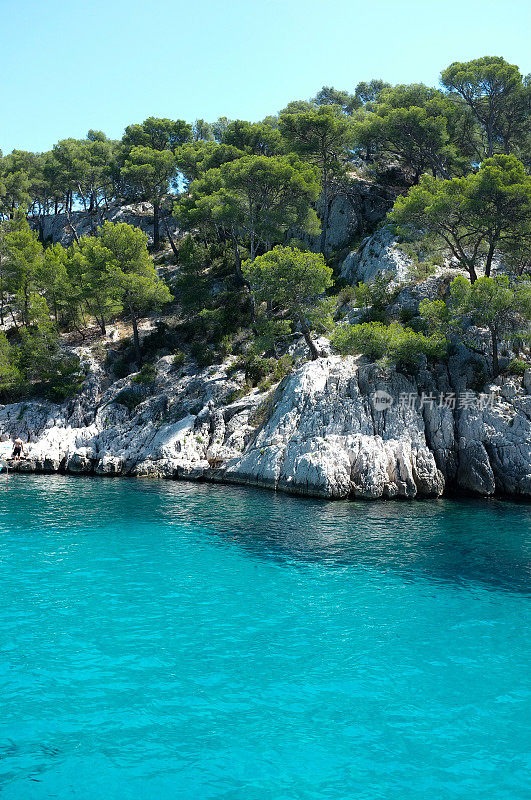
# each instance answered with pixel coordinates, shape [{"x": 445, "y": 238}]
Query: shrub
[
  {"x": 406, "y": 315},
  {"x": 161, "y": 338},
  {"x": 517, "y": 367},
  {"x": 147, "y": 374},
  {"x": 129, "y": 398},
  {"x": 347, "y": 294},
  {"x": 179, "y": 359},
  {"x": 203, "y": 354},
  {"x": 392, "y": 344},
  {"x": 63, "y": 379},
  {"x": 235, "y": 394},
  {"x": 376, "y": 297},
  {"x": 281, "y": 368}
]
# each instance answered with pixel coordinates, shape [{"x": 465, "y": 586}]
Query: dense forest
[{"x": 252, "y": 267}]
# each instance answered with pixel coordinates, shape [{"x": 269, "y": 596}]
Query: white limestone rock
[
  {"x": 378, "y": 253},
  {"x": 320, "y": 433},
  {"x": 324, "y": 438}
]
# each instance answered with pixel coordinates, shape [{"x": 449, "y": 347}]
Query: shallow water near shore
[{"x": 166, "y": 639}]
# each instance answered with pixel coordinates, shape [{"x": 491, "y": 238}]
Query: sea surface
[{"x": 169, "y": 640}]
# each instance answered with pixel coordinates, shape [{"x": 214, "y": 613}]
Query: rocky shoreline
[{"x": 319, "y": 433}]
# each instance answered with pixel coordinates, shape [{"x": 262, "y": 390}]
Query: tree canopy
[
  {"x": 475, "y": 218},
  {"x": 291, "y": 285}
]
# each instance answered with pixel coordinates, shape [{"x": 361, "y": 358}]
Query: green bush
[
  {"x": 235, "y": 394},
  {"x": 179, "y": 359},
  {"x": 147, "y": 374},
  {"x": 281, "y": 368},
  {"x": 517, "y": 367},
  {"x": 376, "y": 297},
  {"x": 204, "y": 355},
  {"x": 161, "y": 338},
  {"x": 34, "y": 364},
  {"x": 347, "y": 294},
  {"x": 122, "y": 366},
  {"x": 63, "y": 379},
  {"x": 129, "y": 398},
  {"x": 391, "y": 344}
]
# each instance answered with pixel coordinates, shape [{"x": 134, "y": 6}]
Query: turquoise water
[{"x": 170, "y": 640}]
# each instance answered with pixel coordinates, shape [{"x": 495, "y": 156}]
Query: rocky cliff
[
  {"x": 354, "y": 212},
  {"x": 59, "y": 227},
  {"x": 335, "y": 428}
]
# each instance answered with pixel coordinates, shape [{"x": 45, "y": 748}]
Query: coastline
[{"x": 317, "y": 434}]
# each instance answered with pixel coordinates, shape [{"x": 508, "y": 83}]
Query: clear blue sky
[{"x": 70, "y": 66}]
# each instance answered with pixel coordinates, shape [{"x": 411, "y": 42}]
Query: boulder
[{"x": 378, "y": 253}]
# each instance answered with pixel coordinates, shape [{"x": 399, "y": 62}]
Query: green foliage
[
  {"x": 260, "y": 371},
  {"x": 376, "y": 296},
  {"x": 414, "y": 136},
  {"x": 254, "y": 138},
  {"x": 501, "y": 306},
  {"x": 495, "y": 93},
  {"x": 179, "y": 359},
  {"x": 11, "y": 378},
  {"x": 475, "y": 217},
  {"x": 367, "y": 92},
  {"x": 147, "y": 374},
  {"x": 289, "y": 285},
  {"x": 425, "y": 259},
  {"x": 389, "y": 344},
  {"x": 288, "y": 279},
  {"x": 62, "y": 378},
  {"x": 203, "y": 354},
  {"x": 157, "y": 134},
  {"x": 517, "y": 367},
  {"x": 34, "y": 364},
  {"x": 196, "y": 158},
  {"x": 254, "y": 200},
  {"x": 130, "y": 398},
  {"x": 250, "y": 187},
  {"x": 328, "y": 96},
  {"x": 279, "y": 369},
  {"x": 128, "y": 272},
  {"x": 323, "y": 136}
]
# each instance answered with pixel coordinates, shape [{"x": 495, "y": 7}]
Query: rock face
[
  {"x": 57, "y": 227},
  {"x": 354, "y": 212},
  {"x": 377, "y": 253},
  {"x": 325, "y": 438},
  {"x": 334, "y": 428}
]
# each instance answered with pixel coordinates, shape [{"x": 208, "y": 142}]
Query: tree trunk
[
  {"x": 488, "y": 262},
  {"x": 13, "y": 318},
  {"x": 314, "y": 352},
  {"x": 238, "y": 264},
  {"x": 326, "y": 213},
  {"x": 136, "y": 338},
  {"x": 156, "y": 232},
  {"x": 1, "y": 299},
  {"x": 495, "y": 360},
  {"x": 26, "y": 307},
  {"x": 171, "y": 241},
  {"x": 490, "y": 145},
  {"x": 70, "y": 225}
]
